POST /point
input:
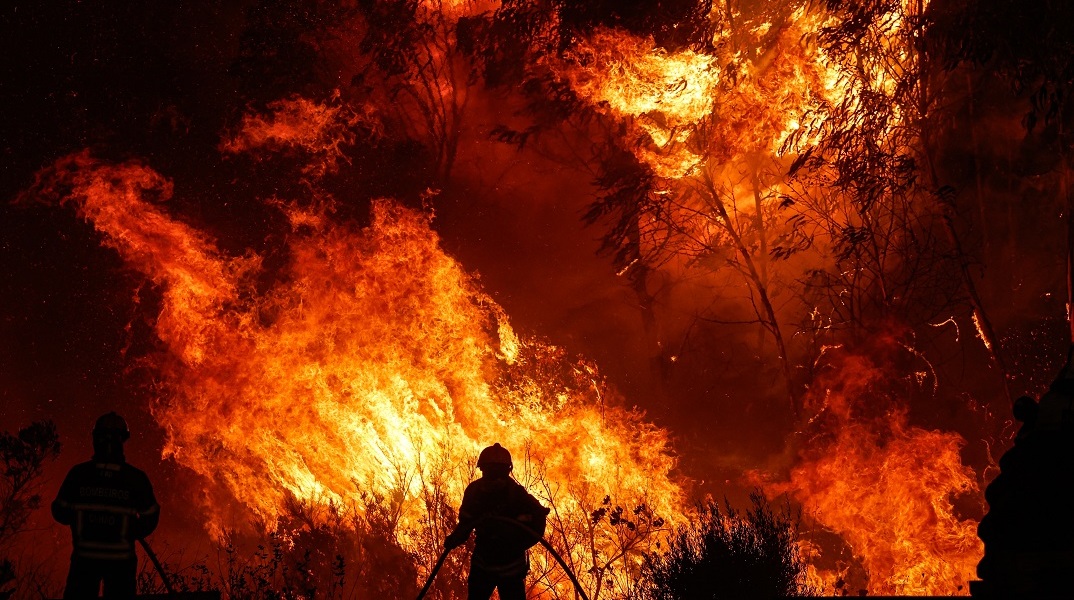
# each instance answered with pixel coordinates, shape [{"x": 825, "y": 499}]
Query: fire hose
[
  {"x": 156, "y": 563},
  {"x": 540, "y": 540},
  {"x": 432, "y": 575}
]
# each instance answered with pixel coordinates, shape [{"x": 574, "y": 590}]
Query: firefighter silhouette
[
  {"x": 508, "y": 521},
  {"x": 109, "y": 505},
  {"x": 1028, "y": 532}
]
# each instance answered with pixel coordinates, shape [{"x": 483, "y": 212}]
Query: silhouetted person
[
  {"x": 1006, "y": 527},
  {"x": 108, "y": 505},
  {"x": 1028, "y": 532},
  {"x": 495, "y": 505},
  {"x": 1025, "y": 411}
]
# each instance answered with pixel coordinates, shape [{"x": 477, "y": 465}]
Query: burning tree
[
  {"x": 880, "y": 146},
  {"x": 773, "y": 179},
  {"x": 795, "y": 140}
]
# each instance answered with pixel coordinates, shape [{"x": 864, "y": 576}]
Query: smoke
[{"x": 76, "y": 321}]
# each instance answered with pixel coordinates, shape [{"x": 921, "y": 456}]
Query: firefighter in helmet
[
  {"x": 508, "y": 521},
  {"x": 109, "y": 505}
]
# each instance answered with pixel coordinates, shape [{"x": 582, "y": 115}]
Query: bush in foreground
[{"x": 725, "y": 554}]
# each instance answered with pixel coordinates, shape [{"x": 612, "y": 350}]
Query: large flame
[
  {"x": 770, "y": 83},
  {"x": 722, "y": 126},
  {"x": 886, "y": 487},
  {"x": 374, "y": 363}
]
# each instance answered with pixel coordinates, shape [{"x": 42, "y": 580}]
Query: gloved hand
[{"x": 455, "y": 539}]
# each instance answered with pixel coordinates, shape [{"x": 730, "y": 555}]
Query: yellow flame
[
  {"x": 374, "y": 364},
  {"x": 634, "y": 77}
]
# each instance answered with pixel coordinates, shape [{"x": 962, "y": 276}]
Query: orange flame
[
  {"x": 374, "y": 364},
  {"x": 661, "y": 94},
  {"x": 888, "y": 488},
  {"x": 884, "y": 486},
  {"x": 753, "y": 106},
  {"x": 320, "y": 129}
]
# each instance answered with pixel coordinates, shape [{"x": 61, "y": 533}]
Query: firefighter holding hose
[
  {"x": 109, "y": 505},
  {"x": 508, "y": 521}
]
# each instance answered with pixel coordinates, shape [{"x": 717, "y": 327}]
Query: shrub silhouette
[
  {"x": 725, "y": 554},
  {"x": 22, "y": 461}
]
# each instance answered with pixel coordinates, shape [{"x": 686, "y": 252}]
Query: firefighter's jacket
[
  {"x": 499, "y": 546},
  {"x": 109, "y": 505}
]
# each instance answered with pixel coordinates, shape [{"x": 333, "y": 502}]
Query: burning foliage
[
  {"x": 776, "y": 183},
  {"x": 373, "y": 365}
]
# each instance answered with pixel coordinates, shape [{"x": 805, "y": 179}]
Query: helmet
[
  {"x": 494, "y": 455},
  {"x": 112, "y": 424},
  {"x": 1025, "y": 409}
]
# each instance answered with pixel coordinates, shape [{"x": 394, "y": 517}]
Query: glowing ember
[{"x": 374, "y": 364}]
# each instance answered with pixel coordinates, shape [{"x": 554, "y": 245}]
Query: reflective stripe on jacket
[{"x": 108, "y": 506}]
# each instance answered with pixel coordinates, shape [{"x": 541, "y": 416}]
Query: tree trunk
[{"x": 756, "y": 279}]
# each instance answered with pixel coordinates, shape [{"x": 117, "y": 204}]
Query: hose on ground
[{"x": 156, "y": 563}]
